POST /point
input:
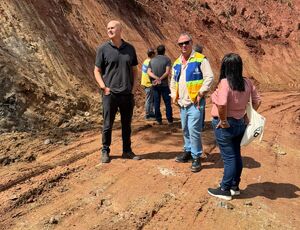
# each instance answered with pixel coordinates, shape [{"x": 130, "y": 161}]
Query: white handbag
[{"x": 255, "y": 128}]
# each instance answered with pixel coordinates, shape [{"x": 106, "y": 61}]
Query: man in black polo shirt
[{"x": 116, "y": 73}]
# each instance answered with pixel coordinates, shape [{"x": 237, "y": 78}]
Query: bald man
[{"x": 116, "y": 73}]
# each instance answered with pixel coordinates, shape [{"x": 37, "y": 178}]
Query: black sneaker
[
  {"x": 170, "y": 121},
  {"x": 159, "y": 122},
  {"x": 220, "y": 193},
  {"x": 150, "y": 118},
  {"x": 196, "y": 165},
  {"x": 235, "y": 191},
  {"x": 130, "y": 155},
  {"x": 105, "y": 157},
  {"x": 183, "y": 158}
]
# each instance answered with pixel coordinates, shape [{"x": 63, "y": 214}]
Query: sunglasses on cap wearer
[{"x": 184, "y": 43}]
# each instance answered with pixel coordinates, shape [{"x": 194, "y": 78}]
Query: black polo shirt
[{"x": 116, "y": 66}]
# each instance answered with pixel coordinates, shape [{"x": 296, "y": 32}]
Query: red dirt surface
[{"x": 67, "y": 188}]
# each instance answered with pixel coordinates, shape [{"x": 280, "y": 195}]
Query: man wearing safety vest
[
  {"x": 191, "y": 79},
  {"x": 145, "y": 81}
]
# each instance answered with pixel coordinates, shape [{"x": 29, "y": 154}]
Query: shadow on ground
[
  {"x": 160, "y": 155},
  {"x": 214, "y": 160},
  {"x": 270, "y": 190}
]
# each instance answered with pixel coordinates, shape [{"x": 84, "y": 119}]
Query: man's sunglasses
[{"x": 184, "y": 43}]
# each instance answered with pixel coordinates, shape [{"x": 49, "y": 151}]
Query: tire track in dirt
[
  {"x": 165, "y": 211},
  {"x": 149, "y": 213},
  {"x": 77, "y": 200},
  {"x": 187, "y": 205},
  {"x": 35, "y": 191},
  {"x": 282, "y": 115},
  {"x": 123, "y": 174},
  {"x": 44, "y": 169},
  {"x": 72, "y": 159}
]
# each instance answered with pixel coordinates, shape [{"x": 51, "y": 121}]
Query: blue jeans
[
  {"x": 163, "y": 91},
  {"x": 203, "y": 117},
  {"x": 229, "y": 140},
  {"x": 149, "y": 102},
  {"x": 191, "y": 123}
]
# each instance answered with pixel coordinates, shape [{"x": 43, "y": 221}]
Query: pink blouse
[{"x": 236, "y": 101}]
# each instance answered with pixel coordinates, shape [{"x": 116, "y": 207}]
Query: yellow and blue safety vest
[
  {"x": 194, "y": 76},
  {"x": 145, "y": 81}
]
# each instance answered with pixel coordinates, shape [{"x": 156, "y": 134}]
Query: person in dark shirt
[
  {"x": 198, "y": 48},
  {"x": 159, "y": 70},
  {"x": 116, "y": 73}
]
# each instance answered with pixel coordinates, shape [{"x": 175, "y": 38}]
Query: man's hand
[
  {"x": 156, "y": 82},
  {"x": 198, "y": 99},
  {"x": 197, "y": 102},
  {"x": 106, "y": 91},
  {"x": 174, "y": 100}
]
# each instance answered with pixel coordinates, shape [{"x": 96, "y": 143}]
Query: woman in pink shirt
[{"x": 228, "y": 111}]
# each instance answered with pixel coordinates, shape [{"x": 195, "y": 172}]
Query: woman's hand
[
  {"x": 223, "y": 124},
  {"x": 246, "y": 119}
]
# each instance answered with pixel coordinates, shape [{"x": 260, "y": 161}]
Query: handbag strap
[
  {"x": 251, "y": 86},
  {"x": 250, "y": 100}
]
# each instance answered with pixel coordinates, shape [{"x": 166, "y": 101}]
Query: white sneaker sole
[
  {"x": 235, "y": 193},
  {"x": 220, "y": 196}
]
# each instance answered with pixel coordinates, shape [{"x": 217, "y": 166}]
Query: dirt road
[{"x": 63, "y": 186}]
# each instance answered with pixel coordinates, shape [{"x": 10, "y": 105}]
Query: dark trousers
[
  {"x": 164, "y": 92},
  {"x": 111, "y": 104},
  {"x": 229, "y": 140}
]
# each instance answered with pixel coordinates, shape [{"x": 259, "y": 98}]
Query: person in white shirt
[{"x": 191, "y": 79}]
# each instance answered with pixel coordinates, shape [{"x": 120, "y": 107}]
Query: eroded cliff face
[{"x": 47, "y": 49}]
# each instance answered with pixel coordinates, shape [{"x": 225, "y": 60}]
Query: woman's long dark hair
[{"x": 232, "y": 70}]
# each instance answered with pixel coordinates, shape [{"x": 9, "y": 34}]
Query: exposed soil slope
[{"x": 47, "y": 49}]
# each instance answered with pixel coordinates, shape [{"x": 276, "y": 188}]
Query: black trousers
[{"x": 111, "y": 104}]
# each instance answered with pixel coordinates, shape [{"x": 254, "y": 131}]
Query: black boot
[
  {"x": 183, "y": 158},
  {"x": 196, "y": 165},
  {"x": 130, "y": 155},
  {"x": 105, "y": 157}
]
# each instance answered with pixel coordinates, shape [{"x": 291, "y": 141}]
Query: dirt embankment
[{"x": 47, "y": 49}]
